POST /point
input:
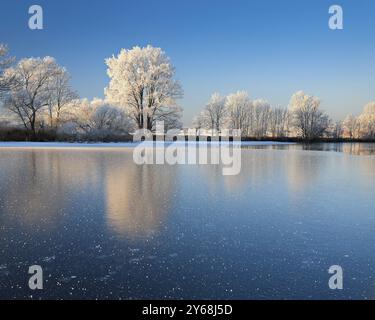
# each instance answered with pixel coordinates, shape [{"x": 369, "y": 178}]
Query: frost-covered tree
[
  {"x": 363, "y": 126},
  {"x": 30, "y": 91},
  {"x": 142, "y": 81},
  {"x": 369, "y": 108},
  {"x": 335, "y": 130},
  {"x": 213, "y": 116},
  {"x": 279, "y": 122},
  {"x": 367, "y": 121},
  {"x": 95, "y": 118},
  {"x": 308, "y": 119},
  {"x": 237, "y": 107},
  {"x": 60, "y": 97},
  {"x": 351, "y": 126},
  {"x": 254, "y": 118},
  {"x": 260, "y": 118},
  {"x": 215, "y": 111},
  {"x": 5, "y": 62},
  {"x": 200, "y": 121}
]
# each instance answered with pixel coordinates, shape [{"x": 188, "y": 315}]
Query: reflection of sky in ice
[{"x": 103, "y": 227}]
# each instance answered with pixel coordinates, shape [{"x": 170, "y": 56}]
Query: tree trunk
[{"x": 32, "y": 125}]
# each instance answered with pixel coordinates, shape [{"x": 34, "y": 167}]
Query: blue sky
[{"x": 269, "y": 48}]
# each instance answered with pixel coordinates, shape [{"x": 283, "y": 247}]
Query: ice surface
[{"x": 102, "y": 227}]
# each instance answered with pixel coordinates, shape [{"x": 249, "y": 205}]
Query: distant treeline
[
  {"x": 19, "y": 134},
  {"x": 303, "y": 120},
  {"x": 37, "y": 103}
]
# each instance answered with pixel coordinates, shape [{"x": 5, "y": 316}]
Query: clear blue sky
[{"x": 269, "y": 48}]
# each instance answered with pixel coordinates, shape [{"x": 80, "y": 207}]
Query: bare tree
[
  {"x": 30, "y": 92},
  {"x": 60, "y": 96}
]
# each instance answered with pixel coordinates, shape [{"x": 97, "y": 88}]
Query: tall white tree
[
  {"x": 308, "y": 119},
  {"x": 237, "y": 108},
  {"x": 142, "y": 81}
]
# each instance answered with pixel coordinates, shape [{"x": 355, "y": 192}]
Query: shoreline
[
  {"x": 17, "y": 144},
  {"x": 57, "y": 144}
]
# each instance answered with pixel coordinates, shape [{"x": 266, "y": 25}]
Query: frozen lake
[{"x": 102, "y": 227}]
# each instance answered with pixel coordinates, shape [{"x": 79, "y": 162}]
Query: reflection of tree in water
[
  {"x": 137, "y": 197},
  {"x": 257, "y": 166},
  {"x": 367, "y": 169},
  {"x": 302, "y": 169},
  {"x": 39, "y": 186},
  {"x": 269, "y": 167},
  {"x": 354, "y": 148},
  {"x": 360, "y": 149},
  {"x": 36, "y": 185}
]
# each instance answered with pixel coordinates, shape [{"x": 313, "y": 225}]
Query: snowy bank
[{"x": 39, "y": 145}]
